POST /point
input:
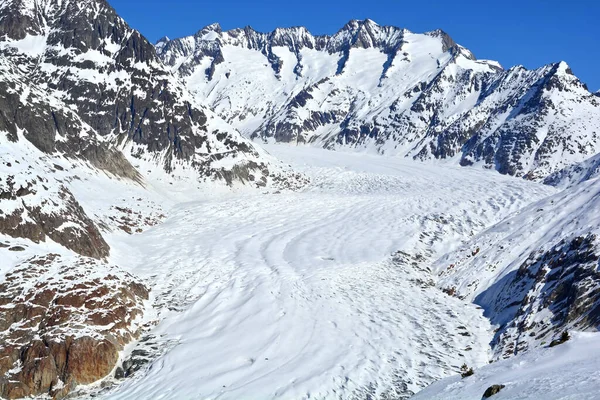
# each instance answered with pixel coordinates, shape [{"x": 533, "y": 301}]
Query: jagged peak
[
  {"x": 559, "y": 68},
  {"x": 356, "y": 33},
  {"x": 563, "y": 68},
  {"x": 215, "y": 26},
  {"x": 28, "y": 7},
  {"x": 291, "y": 31},
  {"x": 37, "y": 17},
  {"x": 462, "y": 51},
  {"x": 356, "y": 24},
  {"x": 209, "y": 32},
  {"x": 518, "y": 67},
  {"x": 448, "y": 44},
  {"x": 562, "y": 71},
  {"x": 366, "y": 34}
]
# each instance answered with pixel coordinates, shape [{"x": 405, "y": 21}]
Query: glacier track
[{"x": 318, "y": 294}]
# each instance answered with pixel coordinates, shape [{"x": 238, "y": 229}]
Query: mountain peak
[
  {"x": 357, "y": 24},
  {"x": 563, "y": 68},
  {"x": 213, "y": 27},
  {"x": 36, "y": 17}
]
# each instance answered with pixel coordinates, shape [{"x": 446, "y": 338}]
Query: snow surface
[
  {"x": 570, "y": 371},
  {"x": 296, "y": 295}
]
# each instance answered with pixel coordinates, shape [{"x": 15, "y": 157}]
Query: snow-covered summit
[{"x": 385, "y": 89}]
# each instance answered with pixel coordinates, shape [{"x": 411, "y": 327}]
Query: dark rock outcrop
[
  {"x": 562, "y": 282},
  {"x": 492, "y": 390}
]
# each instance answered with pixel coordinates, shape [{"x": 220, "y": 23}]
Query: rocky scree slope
[{"x": 388, "y": 90}]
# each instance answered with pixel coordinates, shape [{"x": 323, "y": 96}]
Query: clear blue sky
[{"x": 527, "y": 32}]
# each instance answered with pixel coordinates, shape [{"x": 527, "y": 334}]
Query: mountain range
[
  {"x": 390, "y": 91},
  {"x": 144, "y": 225}
]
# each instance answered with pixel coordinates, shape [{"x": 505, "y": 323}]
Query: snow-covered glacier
[{"x": 246, "y": 215}]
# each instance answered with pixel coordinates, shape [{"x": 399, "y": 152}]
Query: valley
[
  {"x": 304, "y": 294},
  {"x": 246, "y": 215}
]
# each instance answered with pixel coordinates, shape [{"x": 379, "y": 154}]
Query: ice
[{"x": 296, "y": 295}]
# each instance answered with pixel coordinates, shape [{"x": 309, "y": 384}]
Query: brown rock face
[{"x": 63, "y": 322}]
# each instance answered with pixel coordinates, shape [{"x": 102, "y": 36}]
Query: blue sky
[{"x": 527, "y": 32}]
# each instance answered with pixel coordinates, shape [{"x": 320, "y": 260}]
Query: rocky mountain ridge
[
  {"x": 76, "y": 70},
  {"x": 535, "y": 274},
  {"x": 387, "y": 90}
]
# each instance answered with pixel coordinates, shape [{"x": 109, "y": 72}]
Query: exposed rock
[
  {"x": 17, "y": 248},
  {"x": 576, "y": 173},
  {"x": 564, "y": 337},
  {"x": 564, "y": 282},
  {"x": 133, "y": 105},
  {"x": 64, "y": 321},
  {"x": 492, "y": 390},
  {"x": 466, "y": 371}
]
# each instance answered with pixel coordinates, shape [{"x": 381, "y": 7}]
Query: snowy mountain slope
[
  {"x": 51, "y": 342},
  {"x": 535, "y": 274},
  {"x": 388, "y": 90},
  {"x": 105, "y": 89},
  {"x": 48, "y": 226},
  {"x": 297, "y": 295},
  {"x": 575, "y": 173},
  {"x": 566, "y": 372}
]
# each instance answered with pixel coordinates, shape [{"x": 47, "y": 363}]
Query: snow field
[{"x": 296, "y": 295}]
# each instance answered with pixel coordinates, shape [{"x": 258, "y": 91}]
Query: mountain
[
  {"x": 77, "y": 80},
  {"x": 388, "y": 90},
  {"x": 135, "y": 242},
  {"x": 575, "y": 173}
]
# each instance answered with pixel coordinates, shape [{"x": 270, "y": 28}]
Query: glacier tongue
[{"x": 299, "y": 295}]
